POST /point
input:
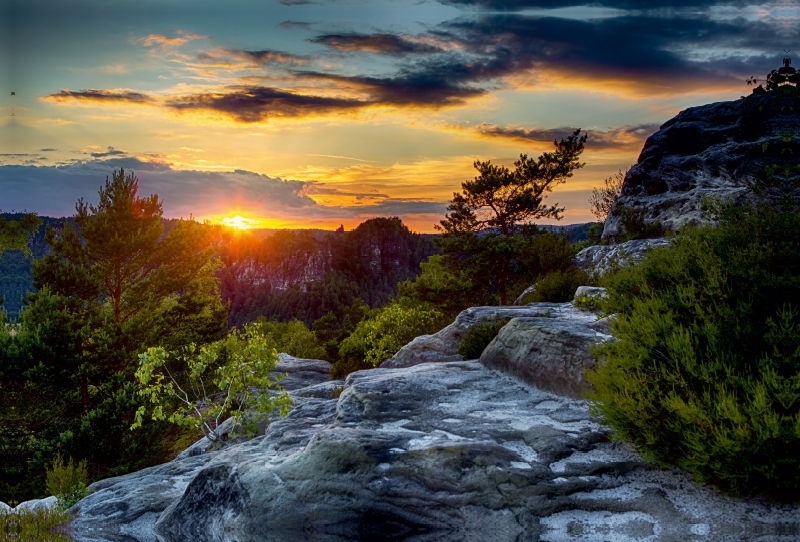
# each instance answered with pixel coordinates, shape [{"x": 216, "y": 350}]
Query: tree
[
  {"x": 228, "y": 378},
  {"x": 113, "y": 284},
  {"x": 603, "y": 198},
  {"x": 493, "y": 214},
  {"x": 15, "y": 235}
]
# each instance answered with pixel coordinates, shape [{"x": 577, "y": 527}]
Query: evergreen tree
[{"x": 489, "y": 220}]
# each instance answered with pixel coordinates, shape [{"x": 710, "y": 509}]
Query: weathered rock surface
[
  {"x": 443, "y": 346},
  {"x": 712, "y": 150},
  {"x": 548, "y": 353},
  {"x": 37, "y": 504},
  {"x": 436, "y": 452},
  {"x": 300, "y": 373},
  {"x": 4, "y": 507},
  {"x": 602, "y": 258}
]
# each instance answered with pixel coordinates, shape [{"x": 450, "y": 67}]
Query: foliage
[
  {"x": 113, "y": 283},
  {"x": 448, "y": 290},
  {"x": 292, "y": 338},
  {"x": 17, "y": 234},
  {"x": 559, "y": 286},
  {"x": 635, "y": 227},
  {"x": 379, "y": 337},
  {"x": 478, "y": 338},
  {"x": 603, "y": 198},
  {"x": 487, "y": 222},
  {"x": 588, "y": 302},
  {"x": 705, "y": 371},
  {"x": 33, "y": 526},
  {"x": 228, "y": 378},
  {"x": 67, "y": 482}
]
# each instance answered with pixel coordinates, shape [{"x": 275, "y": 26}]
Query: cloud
[
  {"x": 255, "y": 103},
  {"x": 167, "y": 42},
  {"x": 47, "y": 150},
  {"x": 110, "y": 152},
  {"x": 296, "y": 24},
  {"x": 113, "y": 96},
  {"x": 517, "y": 5},
  {"x": 377, "y": 43},
  {"x": 623, "y": 138},
  {"x": 242, "y": 59}
]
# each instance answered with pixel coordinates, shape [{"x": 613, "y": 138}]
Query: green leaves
[
  {"x": 15, "y": 235},
  {"x": 202, "y": 386},
  {"x": 705, "y": 371}
]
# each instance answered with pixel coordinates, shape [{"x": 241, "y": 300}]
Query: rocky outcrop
[
  {"x": 436, "y": 452},
  {"x": 301, "y": 373},
  {"x": 443, "y": 345},
  {"x": 548, "y": 353},
  {"x": 715, "y": 150},
  {"x": 37, "y": 504},
  {"x": 603, "y": 258}
]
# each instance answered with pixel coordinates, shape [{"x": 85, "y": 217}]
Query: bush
[
  {"x": 559, "y": 286},
  {"x": 67, "y": 482},
  {"x": 478, "y": 338},
  {"x": 380, "y": 337},
  {"x": 292, "y": 338},
  {"x": 705, "y": 371}
]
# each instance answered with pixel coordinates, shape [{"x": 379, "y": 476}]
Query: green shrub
[
  {"x": 34, "y": 526},
  {"x": 705, "y": 371},
  {"x": 67, "y": 482},
  {"x": 559, "y": 286},
  {"x": 588, "y": 302},
  {"x": 292, "y": 338},
  {"x": 635, "y": 227},
  {"x": 381, "y": 336},
  {"x": 478, "y": 338}
]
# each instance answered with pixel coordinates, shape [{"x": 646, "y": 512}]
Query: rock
[
  {"x": 525, "y": 292},
  {"x": 713, "y": 150},
  {"x": 436, "y": 452},
  {"x": 37, "y": 504},
  {"x": 300, "y": 373},
  {"x": 4, "y": 507},
  {"x": 589, "y": 291},
  {"x": 602, "y": 258},
  {"x": 443, "y": 346},
  {"x": 548, "y": 353}
]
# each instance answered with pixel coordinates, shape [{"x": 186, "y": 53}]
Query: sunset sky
[{"x": 301, "y": 113}]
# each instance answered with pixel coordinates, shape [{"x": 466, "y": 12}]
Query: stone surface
[
  {"x": 712, "y": 150},
  {"x": 525, "y": 292},
  {"x": 589, "y": 291},
  {"x": 602, "y": 258},
  {"x": 436, "y": 452},
  {"x": 300, "y": 373},
  {"x": 443, "y": 345},
  {"x": 4, "y": 507},
  {"x": 548, "y": 353},
  {"x": 37, "y": 504}
]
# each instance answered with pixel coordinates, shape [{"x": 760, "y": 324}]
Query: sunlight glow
[{"x": 240, "y": 222}]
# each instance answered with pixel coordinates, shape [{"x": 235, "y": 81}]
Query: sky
[{"x": 316, "y": 113}]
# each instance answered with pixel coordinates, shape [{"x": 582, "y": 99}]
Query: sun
[{"x": 239, "y": 222}]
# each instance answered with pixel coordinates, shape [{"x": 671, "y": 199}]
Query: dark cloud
[
  {"x": 110, "y": 152},
  {"x": 296, "y": 24},
  {"x": 296, "y": 2},
  {"x": 517, "y": 5},
  {"x": 102, "y": 96},
  {"x": 376, "y": 43},
  {"x": 47, "y": 150},
  {"x": 618, "y": 138},
  {"x": 255, "y": 103},
  {"x": 264, "y": 57}
]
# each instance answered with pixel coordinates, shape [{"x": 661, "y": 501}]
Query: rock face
[
  {"x": 300, "y": 373},
  {"x": 37, "y": 504},
  {"x": 545, "y": 352},
  {"x": 602, "y": 258},
  {"x": 436, "y": 452},
  {"x": 711, "y": 150},
  {"x": 443, "y": 345}
]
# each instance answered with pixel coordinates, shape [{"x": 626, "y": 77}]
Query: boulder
[
  {"x": 435, "y": 452},
  {"x": 602, "y": 258},
  {"x": 37, "y": 504},
  {"x": 590, "y": 291},
  {"x": 443, "y": 346},
  {"x": 4, "y": 507},
  {"x": 547, "y": 353},
  {"x": 714, "y": 150},
  {"x": 300, "y": 373}
]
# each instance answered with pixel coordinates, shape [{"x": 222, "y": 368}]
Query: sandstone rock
[
  {"x": 525, "y": 292},
  {"x": 443, "y": 345},
  {"x": 37, "y": 504},
  {"x": 436, "y": 452},
  {"x": 602, "y": 258},
  {"x": 589, "y": 291},
  {"x": 712, "y": 150},
  {"x": 548, "y": 353},
  {"x": 301, "y": 373}
]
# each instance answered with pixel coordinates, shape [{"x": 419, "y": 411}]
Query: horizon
[{"x": 295, "y": 114}]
